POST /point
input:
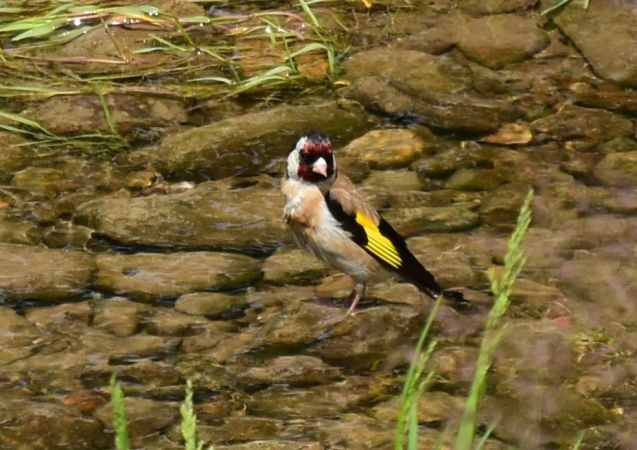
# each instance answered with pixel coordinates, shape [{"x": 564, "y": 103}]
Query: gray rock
[
  {"x": 43, "y": 274},
  {"x": 148, "y": 276},
  {"x": 250, "y": 218},
  {"x": 248, "y": 143},
  {"x": 591, "y": 30}
]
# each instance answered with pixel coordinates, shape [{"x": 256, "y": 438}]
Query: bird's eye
[{"x": 304, "y": 155}]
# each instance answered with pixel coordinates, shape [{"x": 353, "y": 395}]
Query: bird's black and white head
[{"x": 312, "y": 160}]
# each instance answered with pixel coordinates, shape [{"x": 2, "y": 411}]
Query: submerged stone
[
  {"x": 384, "y": 149},
  {"x": 618, "y": 169},
  {"x": 43, "y": 274},
  {"x": 592, "y": 28},
  {"x": 149, "y": 276},
  {"x": 202, "y": 217},
  {"x": 295, "y": 266}
]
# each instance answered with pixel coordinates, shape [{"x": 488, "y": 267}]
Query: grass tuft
[
  {"x": 416, "y": 382},
  {"x": 189, "y": 421},
  {"x": 119, "y": 416}
]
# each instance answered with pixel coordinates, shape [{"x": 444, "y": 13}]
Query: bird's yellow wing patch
[{"x": 378, "y": 244}]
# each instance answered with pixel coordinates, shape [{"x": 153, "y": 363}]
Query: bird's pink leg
[{"x": 356, "y": 296}]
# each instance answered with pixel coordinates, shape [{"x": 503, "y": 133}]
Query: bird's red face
[{"x": 316, "y": 158}]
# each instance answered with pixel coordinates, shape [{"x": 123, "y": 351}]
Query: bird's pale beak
[{"x": 320, "y": 166}]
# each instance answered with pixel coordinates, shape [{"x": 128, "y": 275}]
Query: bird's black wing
[{"x": 385, "y": 245}]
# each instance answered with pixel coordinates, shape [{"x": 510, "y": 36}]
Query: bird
[{"x": 329, "y": 217}]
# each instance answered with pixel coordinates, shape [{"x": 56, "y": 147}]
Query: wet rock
[
  {"x": 297, "y": 370},
  {"x": 423, "y": 219},
  {"x": 46, "y": 425},
  {"x": 510, "y": 134},
  {"x": 296, "y": 266},
  {"x": 497, "y": 40},
  {"x": 69, "y": 175},
  {"x": 192, "y": 219},
  {"x": 454, "y": 364},
  {"x": 386, "y": 149},
  {"x": 476, "y": 180},
  {"x": 618, "y": 145},
  {"x": 153, "y": 373},
  {"x": 210, "y": 304},
  {"x": 67, "y": 236},
  {"x": 608, "y": 21},
  {"x": 437, "y": 198},
  {"x": 481, "y": 7},
  {"x": 16, "y": 336},
  {"x": 605, "y": 97},
  {"x": 14, "y": 155},
  {"x": 249, "y": 428},
  {"x": 591, "y": 126},
  {"x": 167, "y": 322},
  {"x": 367, "y": 338},
  {"x": 84, "y": 114},
  {"x": 318, "y": 401},
  {"x": 394, "y": 181},
  {"x": 148, "y": 276},
  {"x": 597, "y": 279},
  {"x": 13, "y": 231},
  {"x": 119, "y": 316},
  {"x": 127, "y": 349},
  {"x": 618, "y": 169},
  {"x": 301, "y": 324},
  {"x": 433, "y": 90},
  {"x": 144, "y": 416},
  {"x": 108, "y": 49},
  {"x": 218, "y": 150},
  {"x": 43, "y": 274},
  {"x": 353, "y": 431},
  {"x": 80, "y": 311},
  {"x": 466, "y": 155},
  {"x": 501, "y": 207},
  {"x": 273, "y": 445},
  {"x": 433, "y": 406},
  {"x": 455, "y": 259}
]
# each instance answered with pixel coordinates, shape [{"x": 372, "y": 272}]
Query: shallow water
[{"x": 141, "y": 233}]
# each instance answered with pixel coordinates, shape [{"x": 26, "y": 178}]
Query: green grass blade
[
  {"x": 119, "y": 416},
  {"x": 415, "y": 384},
  {"x": 189, "y": 421},
  {"x": 513, "y": 262},
  {"x": 579, "y": 441},
  {"x": 555, "y": 7}
]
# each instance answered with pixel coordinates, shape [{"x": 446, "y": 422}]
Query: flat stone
[
  {"x": 618, "y": 169},
  {"x": 590, "y": 29},
  {"x": 476, "y": 179},
  {"x": 299, "y": 370},
  {"x": 48, "y": 425},
  {"x": 385, "y": 149},
  {"x": 210, "y": 304},
  {"x": 500, "y": 39},
  {"x": 168, "y": 322},
  {"x": 144, "y": 416},
  {"x": 576, "y": 123},
  {"x": 218, "y": 151},
  {"x": 294, "y": 266},
  {"x": 501, "y": 208},
  {"x": 424, "y": 219},
  {"x": 148, "y": 276},
  {"x": 432, "y": 90},
  {"x": 84, "y": 114},
  {"x": 119, "y": 316},
  {"x": 192, "y": 219},
  {"x": 43, "y": 274}
]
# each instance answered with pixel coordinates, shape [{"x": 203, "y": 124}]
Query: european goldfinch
[{"x": 329, "y": 217}]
